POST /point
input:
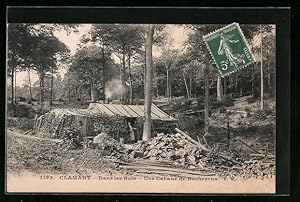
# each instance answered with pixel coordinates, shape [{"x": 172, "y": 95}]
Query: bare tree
[
  {"x": 29, "y": 83},
  {"x": 206, "y": 99},
  {"x": 261, "y": 73},
  {"x": 148, "y": 83},
  {"x": 219, "y": 88}
]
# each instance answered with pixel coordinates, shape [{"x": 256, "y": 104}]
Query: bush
[
  {"x": 224, "y": 103},
  {"x": 24, "y": 124},
  {"x": 251, "y": 99},
  {"x": 40, "y": 112},
  {"x": 72, "y": 138},
  {"x": 260, "y": 114},
  {"x": 24, "y": 110},
  {"x": 12, "y": 122},
  {"x": 188, "y": 102},
  {"x": 116, "y": 125},
  {"x": 270, "y": 111}
]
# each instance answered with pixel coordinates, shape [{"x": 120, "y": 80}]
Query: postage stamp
[{"x": 229, "y": 49}]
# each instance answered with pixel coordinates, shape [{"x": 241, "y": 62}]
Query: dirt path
[{"x": 12, "y": 132}]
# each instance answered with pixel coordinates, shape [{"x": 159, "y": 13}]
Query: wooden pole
[
  {"x": 228, "y": 131},
  {"x": 266, "y": 151}
]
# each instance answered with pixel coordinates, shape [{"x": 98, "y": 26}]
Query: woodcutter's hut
[{"x": 55, "y": 121}]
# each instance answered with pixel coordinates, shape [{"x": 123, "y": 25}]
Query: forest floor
[
  {"x": 31, "y": 154},
  {"x": 251, "y": 131},
  {"x": 247, "y": 123}
]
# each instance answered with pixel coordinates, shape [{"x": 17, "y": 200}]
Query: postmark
[{"x": 229, "y": 49}]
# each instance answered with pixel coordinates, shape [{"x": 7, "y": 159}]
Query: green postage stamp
[{"x": 229, "y": 49}]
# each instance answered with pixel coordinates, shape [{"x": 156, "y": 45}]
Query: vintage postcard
[{"x": 141, "y": 108}]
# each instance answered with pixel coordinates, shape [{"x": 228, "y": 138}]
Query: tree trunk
[
  {"x": 170, "y": 88},
  {"x": 69, "y": 89},
  {"x": 168, "y": 91},
  {"x": 191, "y": 87},
  {"x": 155, "y": 82},
  {"x": 261, "y": 73},
  {"x": 130, "y": 81},
  {"x": 12, "y": 91},
  {"x": 252, "y": 75},
  {"x": 219, "y": 88},
  {"x": 225, "y": 87},
  {"x": 92, "y": 91},
  {"x": 148, "y": 83},
  {"x": 269, "y": 75},
  {"x": 80, "y": 94},
  {"x": 252, "y": 79},
  {"x": 186, "y": 86},
  {"x": 121, "y": 98},
  {"x": 145, "y": 69},
  {"x": 12, "y": 87},
  {"x": 236, "y": 83},
  {"x": 42, "y": 83},
  {"x": 103, "y": 74},
  {"x": 30, "y": 91},
  {"x": 123, "y": 71},
  {"x": 76, "y": 94},
  {"x": 206, "y": 101},
  {"x": 51, "y": 89},
  {"x": 15, "y": 85}
]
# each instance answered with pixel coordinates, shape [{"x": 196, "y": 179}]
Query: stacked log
[
  {"x": 178, "y": 150},
  {"x": 53, "y": 122}
]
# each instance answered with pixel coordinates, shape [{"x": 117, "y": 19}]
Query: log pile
[
  {"x": 53, "y": 122},
  {"x": 159, "y": 167},
  {"x": 181, "y": 150},
  {"x": 258, "y": 169},
  {"x": 177, "y": 151}
]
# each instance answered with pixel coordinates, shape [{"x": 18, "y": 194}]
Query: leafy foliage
[
  {"x": 72, "y": 138},
  {"x": 116, "y": 126}
]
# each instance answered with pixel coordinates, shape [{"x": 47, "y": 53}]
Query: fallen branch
[
  {"x": 262, "y": 155},
  {"x": 168, "y": 173},
  {"x": 204, "y": 139},
  {"x": 192, "y": 140},
  {"x": 249, "y": 147},
  {"x": 230, "y": 168},
  {"x": 237, "y": 111},
  {"x": 157, "y": 162},
  {"x": 157, "y": 168}
]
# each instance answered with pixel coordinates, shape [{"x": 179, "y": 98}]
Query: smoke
[{"x": 113, "y": 89}]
